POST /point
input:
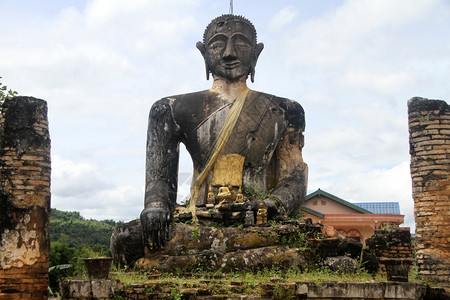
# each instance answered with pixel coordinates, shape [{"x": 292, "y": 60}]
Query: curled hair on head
[{"x": 223, "y": 19}]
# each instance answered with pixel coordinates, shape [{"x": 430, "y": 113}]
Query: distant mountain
[{"x": 72, "y": 229}]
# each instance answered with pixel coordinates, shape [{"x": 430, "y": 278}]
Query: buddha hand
[{"x": 155, "y": 222}]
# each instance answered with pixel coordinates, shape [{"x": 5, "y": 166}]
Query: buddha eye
[
  {"x": 241, "y": 44},
  {"x": 218, "y": 45}
]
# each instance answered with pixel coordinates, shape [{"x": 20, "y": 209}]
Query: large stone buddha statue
[{"x": 246, "y": 142}]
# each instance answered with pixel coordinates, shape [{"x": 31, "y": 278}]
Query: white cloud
[
  {"x": 76, "y": 179},
  {"x": 282, "y": 18},
  {"x": 84, "y": 186},
  {"x": 385, "y": 185},
  {"x": 376, "y": 80},
  {"x": 341, "y": 34},
  {"x": 138, "y": 24},
  {"x": 124, "y": 202}
]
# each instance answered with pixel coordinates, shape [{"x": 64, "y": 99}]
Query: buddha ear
[
  {"x": 258, "y": 49},
  {"x": 201, "y": 47}
]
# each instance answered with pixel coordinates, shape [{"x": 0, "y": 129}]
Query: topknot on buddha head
[{"x": 224, "y": 22}]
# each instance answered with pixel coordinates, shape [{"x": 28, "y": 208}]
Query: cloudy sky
[{"x": 100, "y": 65}]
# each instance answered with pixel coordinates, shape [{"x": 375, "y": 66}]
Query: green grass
[
  {"x": 264, "y": 276},
  {"x": 127, "y": 278},
  {"x": 250, "y": 282}
]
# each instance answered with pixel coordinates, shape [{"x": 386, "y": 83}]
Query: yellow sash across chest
[{"x": 219, "y": 144}]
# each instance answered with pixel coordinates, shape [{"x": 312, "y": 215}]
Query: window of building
[{"x": 354, "y": 234}]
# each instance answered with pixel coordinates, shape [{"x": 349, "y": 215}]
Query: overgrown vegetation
[
  {"x": 256, "y": 193},
  {"x": 5, "y": 93},
  {"x": 296, "y": 240},
  {"x": 73, "y": 238},
  {"x": 239, "y": 283},
  {"x": 71, "y": 229}
]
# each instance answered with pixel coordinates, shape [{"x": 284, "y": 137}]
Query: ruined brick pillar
[
  {"x": 24, "y": 199},
  {"x": 429, "y": 136}
]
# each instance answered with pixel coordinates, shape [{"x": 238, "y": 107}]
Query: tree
[
  {"x": 72, "y": 229},
  {"x": 73, "y": 238},
  {"x": 5, "y": 93},
  {"x": 61, "y": 262},
  {"x": 61, "y": 254}
]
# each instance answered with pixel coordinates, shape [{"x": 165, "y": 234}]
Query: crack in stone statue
[{"x": 258, "y": 163}]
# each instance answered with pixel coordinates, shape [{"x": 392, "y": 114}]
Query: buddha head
[{"x": 229, "y": 48}]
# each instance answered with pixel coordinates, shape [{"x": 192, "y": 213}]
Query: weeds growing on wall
[
  {"x": 238, "y": 282},
  {"x": 297, "y": 239},
  {"x": 5, "y": 93}
]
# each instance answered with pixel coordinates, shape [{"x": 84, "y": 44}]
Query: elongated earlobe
[
  {"x": 201, "y": 47},
  {"x": 258, "y": 49}
]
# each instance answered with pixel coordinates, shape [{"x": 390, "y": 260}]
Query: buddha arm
[
  {"x": 161, "y": 156},
  {"x": 292, "y": 172},
  {"x": 161, "y": 175}
]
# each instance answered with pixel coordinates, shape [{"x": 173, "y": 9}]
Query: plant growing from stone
[
  {"x": 5, "y": 93},
  {"x": 195, "y": 233}
]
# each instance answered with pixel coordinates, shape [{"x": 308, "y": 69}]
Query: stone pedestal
[
  {"x": 397, "y": 269},
  {"x": 98, "y": 268},
  {"x": 24, "y": 199},
  {"x": 190, "y": 247},
  {"x": 87, "y": 289},
  {"x": 228, "y": 248},
  {"x": 429, "y": 136}
]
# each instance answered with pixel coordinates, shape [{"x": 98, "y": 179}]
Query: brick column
[
  {"x": 429, "y": 136},
  {"x": 24, "y": 199}
]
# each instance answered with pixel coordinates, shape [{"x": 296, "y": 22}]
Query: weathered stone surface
[
  {"x": 191, "y": 246},
  {"x": 346, "y": 247},
  {"x": 126, "y": 243},
  {"x": 275, "y": 289},
  {"x": 265, "y": 257},
  {"x": 191, "y": 240},
  {"x": 365, "y": 290},
  {"x": 342, "y": 264},
  {"x": 251, "y": 259},
  {"x": 397, "y": 269},
  {"x": 87, "y": 289},
  {"x": 395, "y": 243},
  {"x": 429, "y": 137},
  {"x": 24, "y": 198},
  {"x": 225, "y": 247},
  {"x": 229, "y": 248}
]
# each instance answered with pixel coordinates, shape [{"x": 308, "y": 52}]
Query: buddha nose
[{"x": 229, "y": 53}]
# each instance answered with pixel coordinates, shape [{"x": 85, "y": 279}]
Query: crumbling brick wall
[
  {"x": 24, "y": 199},
  {"x": 391, "y": 243},
  {"x": 429, "y": 136}
]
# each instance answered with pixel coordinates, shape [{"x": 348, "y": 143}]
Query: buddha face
[{"x": 229, "y": 50}]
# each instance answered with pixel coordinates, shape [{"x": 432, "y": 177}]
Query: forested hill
[{"x": 71, "y": 229}]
